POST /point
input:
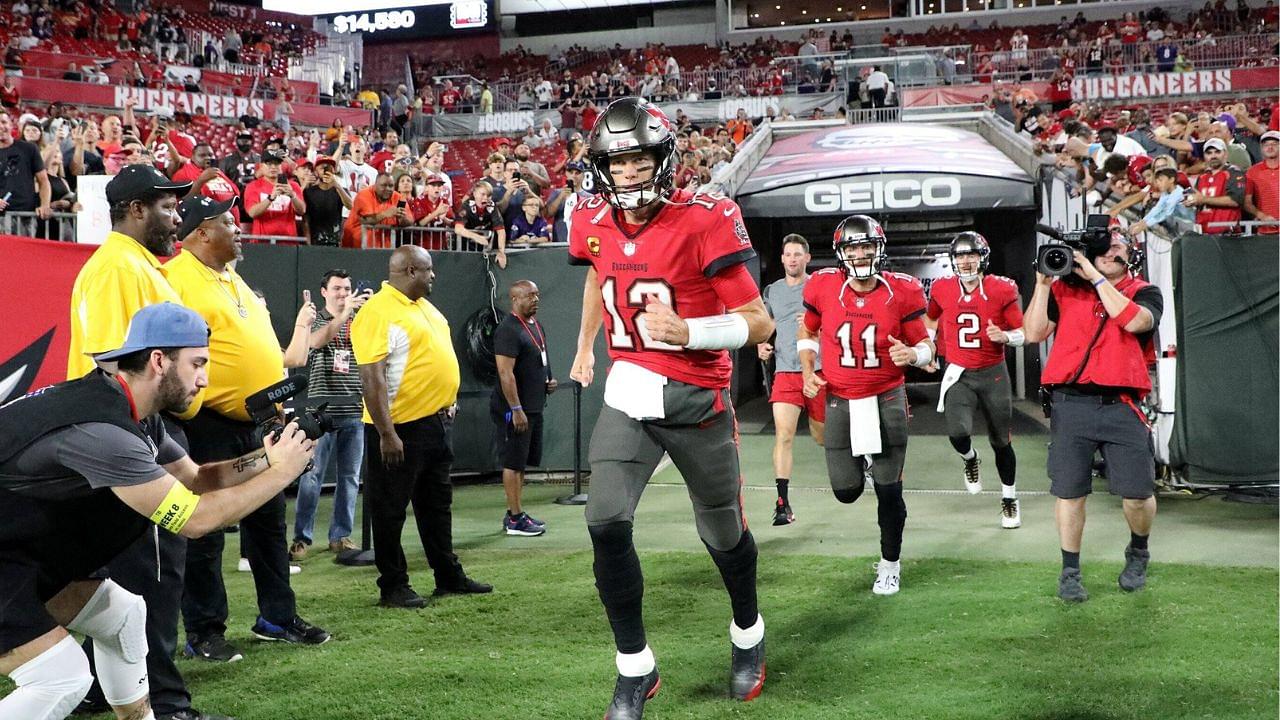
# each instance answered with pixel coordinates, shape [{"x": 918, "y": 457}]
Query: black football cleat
[
  {"x": 630, "y": 694},
  {"x": 746, "y": 673}
]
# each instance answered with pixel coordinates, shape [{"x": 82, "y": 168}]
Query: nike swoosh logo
[{"x": 728, "y": 211}]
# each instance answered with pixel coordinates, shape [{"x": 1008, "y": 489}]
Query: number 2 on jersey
[
  {"x": 637, "y": 293},
  {"x": 967, "y": 326},
  {"x": 844, "y": 334}
]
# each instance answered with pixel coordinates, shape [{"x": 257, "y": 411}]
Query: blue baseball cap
[{"x": 164, "y": 325}]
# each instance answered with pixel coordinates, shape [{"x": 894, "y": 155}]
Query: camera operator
[
  {"x": 244, "y": 357},
  {"x": 84, "y": 466},
  {"x": 1103, "y": 319}
]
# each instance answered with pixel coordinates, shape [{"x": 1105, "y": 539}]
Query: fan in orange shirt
[{"x": 378, "y": 204}]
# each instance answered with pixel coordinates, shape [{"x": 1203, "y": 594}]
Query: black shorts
[
  {"x": 47, "y": 544},
  {"x": 519, "y": 450},
  {"x": 1083, "y": 424}
]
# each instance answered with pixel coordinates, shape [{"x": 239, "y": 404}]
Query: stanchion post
[{"x": 578, "y": 497}]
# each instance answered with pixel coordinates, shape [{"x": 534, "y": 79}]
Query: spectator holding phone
[
  {"x": 564, "y": 200},
  {"x": 273, "y": 202},
  {"x": 326, "y": 199},
  {"x": 479, "y": 221},
  {"x": 378, "y": 204}
]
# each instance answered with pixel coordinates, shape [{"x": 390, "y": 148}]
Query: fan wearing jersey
[
  {"x": 866, "y": 324},
  {"x": 668, "y": 283},
  {"x": 979, "y": 315}
]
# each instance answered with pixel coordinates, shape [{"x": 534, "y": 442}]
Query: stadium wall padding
[
  {"x": 461, "y": 288},
  {"x": 1227, "y": 294}
]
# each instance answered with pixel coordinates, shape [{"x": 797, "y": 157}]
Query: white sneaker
[
  {"x": 1010, "y": 514},
  {"x": 244, "y": 565},
  {"x": 887, "y": 577},
  {"x": 972, "y": 476},
  {"x": 295, "y": 569}
]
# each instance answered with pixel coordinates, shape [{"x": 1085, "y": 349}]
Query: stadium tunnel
[{"x": 923, "y": 182}]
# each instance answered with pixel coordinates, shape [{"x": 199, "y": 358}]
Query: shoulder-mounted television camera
[{"x": 1058, "y": 259}]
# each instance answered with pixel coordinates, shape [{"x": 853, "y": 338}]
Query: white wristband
[
  {"x": 924, "y": 354},
  {"x": 1016, "y": 338},
  {"x": 719, "y": 332},
  {"x": 807, "y": 344}
]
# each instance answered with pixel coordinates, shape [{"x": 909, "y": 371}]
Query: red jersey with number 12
[
  {"x": 964, "y": 317},
  {"x": 689, "y": 256},
  {"x": 855, "y": 329}
]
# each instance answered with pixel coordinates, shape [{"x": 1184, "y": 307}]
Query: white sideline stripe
[
  {"x": 663, "y": 465},
  {"x": 905, "y": 491}
]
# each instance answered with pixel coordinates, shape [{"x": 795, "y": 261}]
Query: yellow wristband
[{"x": 176, "y": 509}]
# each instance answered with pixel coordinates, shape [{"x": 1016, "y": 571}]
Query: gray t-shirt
[
  {"x": 785, "y": 302},
  {"x": 58, "y": 465}
]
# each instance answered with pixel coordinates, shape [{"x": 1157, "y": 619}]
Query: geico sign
[{"x": 882, "y": 195}]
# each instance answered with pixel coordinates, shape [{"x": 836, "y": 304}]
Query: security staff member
[
  {"x": 121, "y": 277},
  {"x": 83, "y": 466},
  {"x": 410, "y": 377},
  {"x": 524, "y": 381},
  {"x": 1104, "y": 319},
  {"x": 244, "y": 357}
]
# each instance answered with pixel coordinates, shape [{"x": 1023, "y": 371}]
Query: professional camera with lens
[
  {"x": 313, "y": 421},
  {"x": 1058, "y": 259}
]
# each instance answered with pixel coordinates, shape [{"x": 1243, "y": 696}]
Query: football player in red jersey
[
  {"x": 667, "y": 281},
  {"x": 867, "y": 325},
  {"x": 980, "y": 315}
]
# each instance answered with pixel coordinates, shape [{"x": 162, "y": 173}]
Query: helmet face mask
[
  {"x": 970, "y": 244},
  {"x": 628, "y": 126},
  {"x": 854, "y": 232}
]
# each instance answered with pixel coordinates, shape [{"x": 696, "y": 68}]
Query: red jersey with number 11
[
  {"x": 964, "y": 317},
  {"x": 855, "y": 329},
  {"x": 690, "y": 256}
]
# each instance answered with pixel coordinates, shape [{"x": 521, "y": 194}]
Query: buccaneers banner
[
  {"x": 33, "y": 348},
  {"x": 213, "y": 105}
]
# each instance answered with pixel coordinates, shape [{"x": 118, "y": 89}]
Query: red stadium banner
[
  {"x": 1173, "y": 84},
  {"x": 33, "y": 348},
  {"x": 215, "y": 106},
  {"x": 961, "y": 94}
]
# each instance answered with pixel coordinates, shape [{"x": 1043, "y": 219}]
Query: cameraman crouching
[{"x": 1104, "y": 319}]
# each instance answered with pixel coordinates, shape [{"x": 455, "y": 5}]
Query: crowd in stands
[{"x": 1163, "y": 163}]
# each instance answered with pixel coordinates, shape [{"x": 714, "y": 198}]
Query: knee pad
[
  {"x": 720, "y": 528},
  {"x": 743, "y": 554},
  {"x": 50, "y": 685},
  {"x": 116, "y": 619},
  {"x": 612, "y": 538},
  {"x": 849, "y": 494}
]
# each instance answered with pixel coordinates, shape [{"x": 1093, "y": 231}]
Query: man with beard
[
  {"x": 244, "y": 357},
  {"x": 243, "y": 163},
  {"x": 83, "y": 466},
  {"x": 534, "y": 172},
  {"x": 121, "y": 277},
  {"x": 325, "y": 200},
  {"x": 205, "y": 177},
  {"x": 408, "y": 417}
]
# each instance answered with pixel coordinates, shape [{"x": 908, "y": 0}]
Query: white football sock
[
  {"x": 1009, "y": 492},
  {"x": 973, "y": 453},
  {"x": 636, "y": 664},
  {"x": 748, "y": 638}
]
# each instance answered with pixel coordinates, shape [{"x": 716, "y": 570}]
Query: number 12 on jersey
[{"x": 637, "y": 293}]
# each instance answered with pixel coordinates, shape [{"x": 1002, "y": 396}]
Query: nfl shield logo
[
  {"x": 861, "y": 302},
  {"x": 629, "y": 249}
]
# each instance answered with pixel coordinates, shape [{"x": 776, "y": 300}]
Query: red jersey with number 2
[
  {"x": 855, "y": 329},
  {"x": 964, "y": 317},
  {"x": 690, "y": 256}
]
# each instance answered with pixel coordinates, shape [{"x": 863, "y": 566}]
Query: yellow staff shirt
[
  {"x": 413, "y": 337},
  {"x": 244, "y": 353},
  {"x": 120, "y": 278}
]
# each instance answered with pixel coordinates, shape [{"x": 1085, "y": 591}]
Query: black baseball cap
[
  {"x": 244, "y": 134},
  {"x": 140, "y": 181},
  {"x": 272, "y": 157},
  {"x": 199, "y": 208}
]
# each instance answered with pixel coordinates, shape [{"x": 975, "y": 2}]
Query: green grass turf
[{"x": 975, "y": 633}]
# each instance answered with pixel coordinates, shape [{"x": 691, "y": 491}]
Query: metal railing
[
  {"x": 274, "y": 239},
  {"x": 60, "y": 227},
  {"x": 875, "y": 115},
  {"x": 432, "y": 238}
]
